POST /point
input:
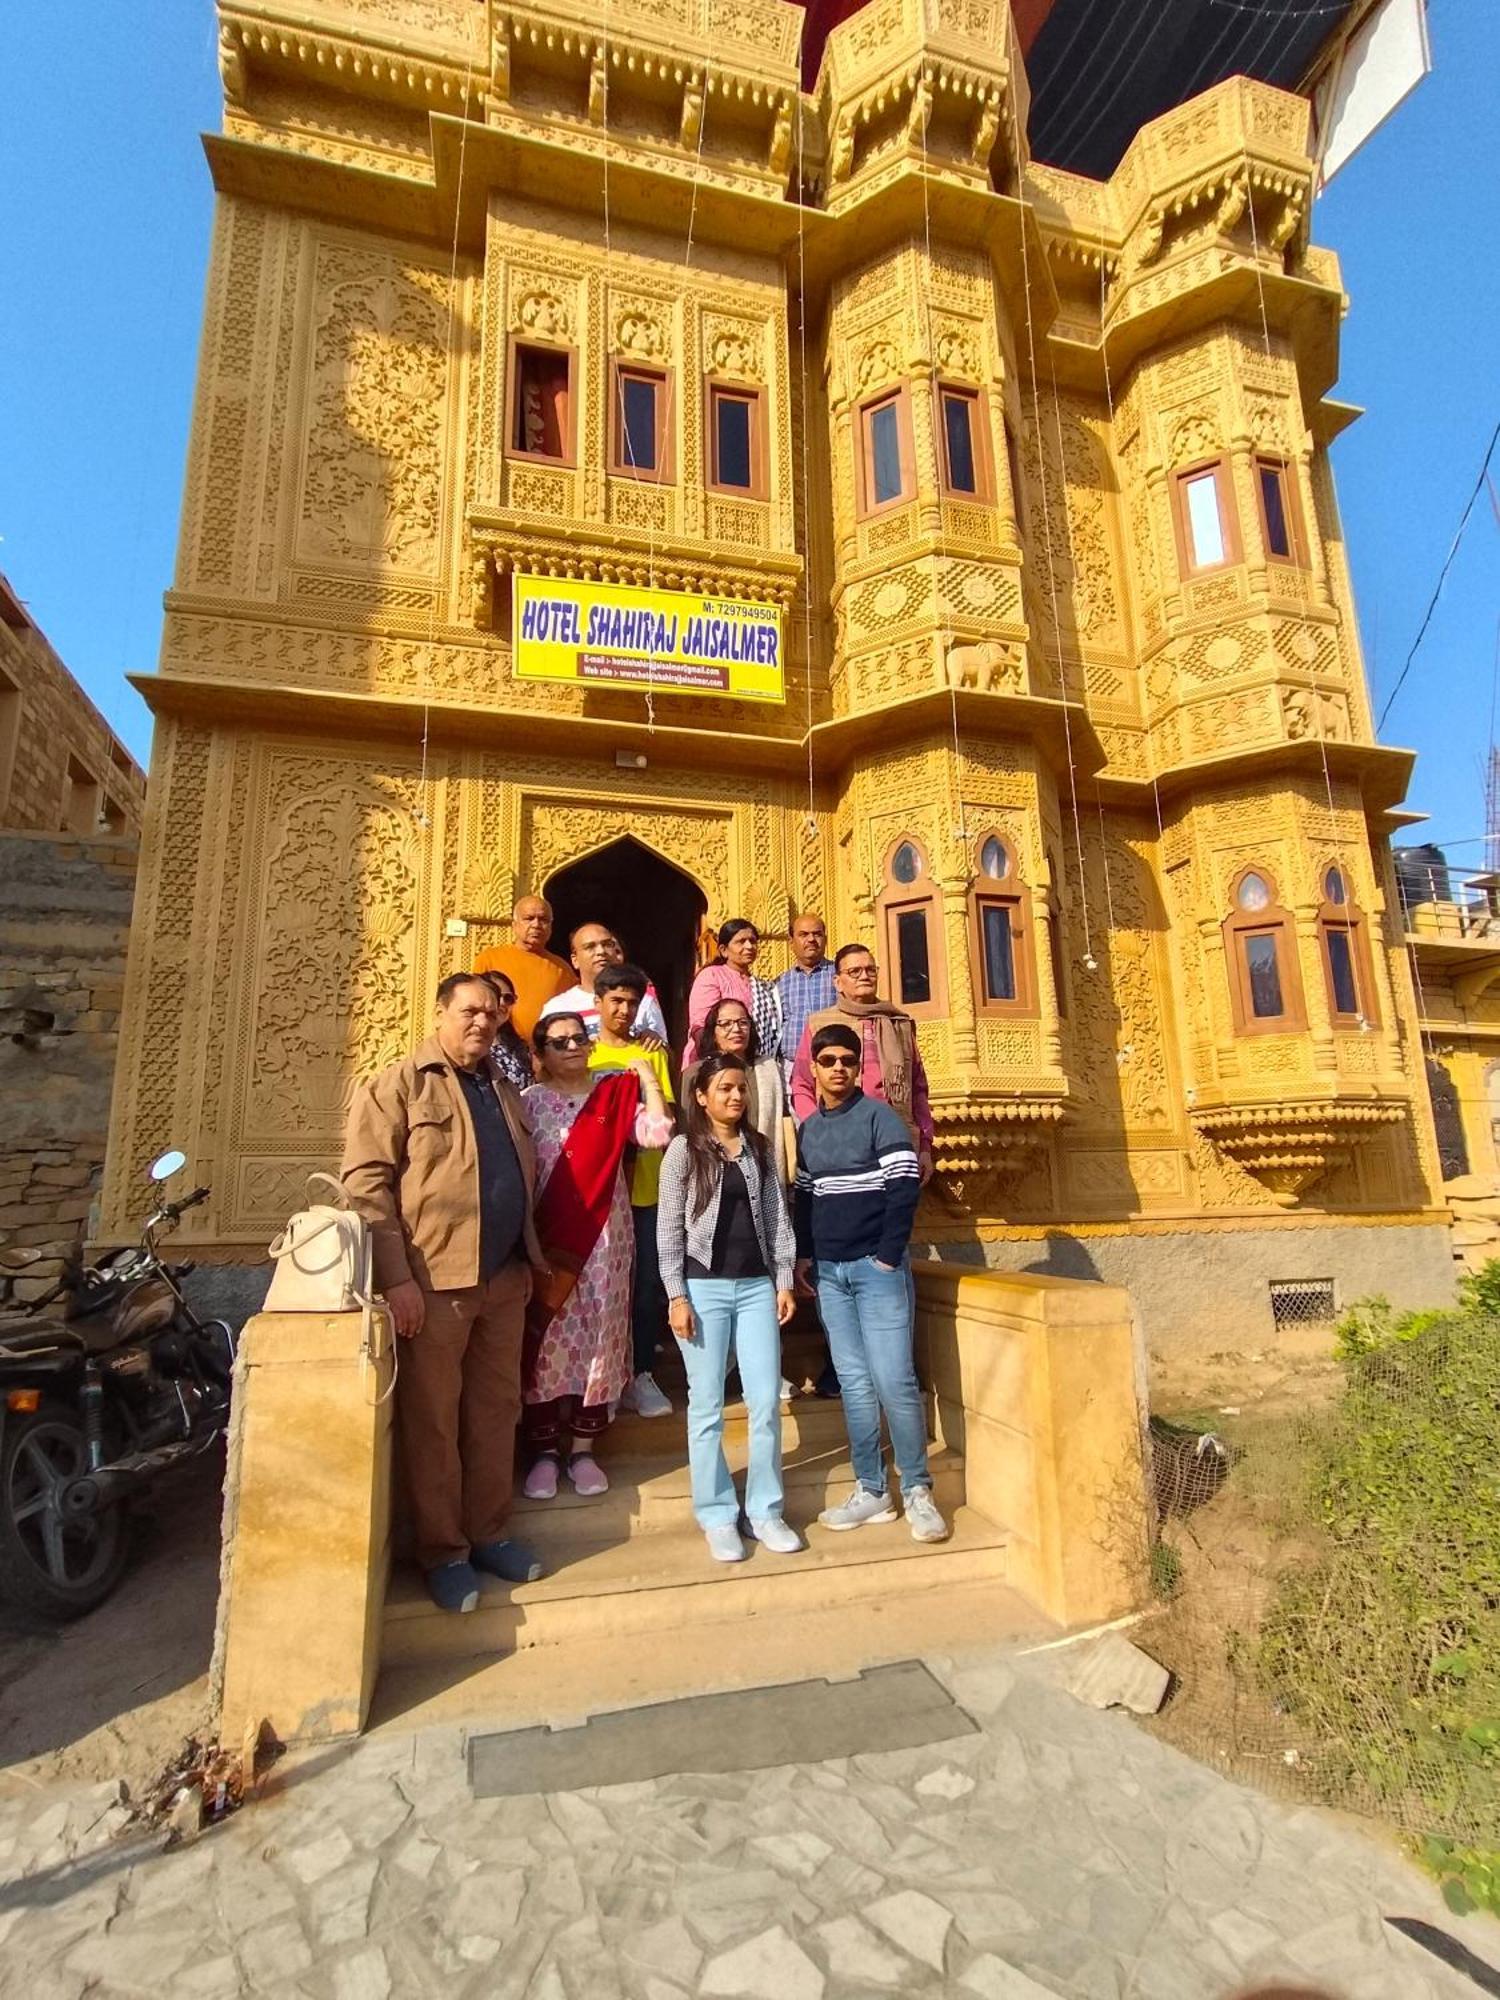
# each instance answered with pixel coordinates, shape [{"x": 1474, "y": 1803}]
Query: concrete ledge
[
  {"x": 306, "y": 1529},
  {"x": 1037, "y": 1381}
]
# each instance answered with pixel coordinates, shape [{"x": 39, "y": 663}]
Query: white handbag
[
  {"x": 325, "y": 1263},
  {"x": 324, "y": 1258}
]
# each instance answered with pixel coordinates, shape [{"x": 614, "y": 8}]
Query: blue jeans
[
  {"x": 867, "y": 1315},
  {"x": 648, "y": 1300},
  {"x": 738, "y": 1313}
]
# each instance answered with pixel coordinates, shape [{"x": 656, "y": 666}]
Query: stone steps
[{"x": 662, "y": 1581}]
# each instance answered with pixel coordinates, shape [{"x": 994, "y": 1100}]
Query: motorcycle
[{"x": 97, "y": 1402}]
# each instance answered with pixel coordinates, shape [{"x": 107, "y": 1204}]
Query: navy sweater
[{"x": 857, "y": 1183}]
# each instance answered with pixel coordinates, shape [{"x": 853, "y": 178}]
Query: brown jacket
[{"x": 411, "y": 1167}]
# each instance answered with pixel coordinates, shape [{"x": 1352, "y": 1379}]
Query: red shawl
[{"x": 574, "y": 1205}]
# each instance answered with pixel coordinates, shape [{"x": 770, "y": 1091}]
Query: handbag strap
[{"x": 341, "y": 1193}]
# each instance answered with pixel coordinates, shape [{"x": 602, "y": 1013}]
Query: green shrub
[
  {"x": 1386, "y": 1645},
  {"x": 1479, "y": 1291}
]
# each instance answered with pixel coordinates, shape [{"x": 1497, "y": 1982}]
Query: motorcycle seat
[{"x": 22, "y": 1334}]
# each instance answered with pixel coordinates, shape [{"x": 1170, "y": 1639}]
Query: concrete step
[
  {"x": 805, "y": 1421},
  {"x": 663, "y": 1581},
  {"x": 654, "y": 1490},
  {"x": 564, "y": 1685}
]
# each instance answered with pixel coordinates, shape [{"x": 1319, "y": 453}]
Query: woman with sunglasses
[
  {"x": 729, "y": 1031},
  {"x": 510, "y": 1054},
  {"x": 724, "y": 1237},
  {"x": 577, "y": 1356},
  {"x": 733, "y": 979}
]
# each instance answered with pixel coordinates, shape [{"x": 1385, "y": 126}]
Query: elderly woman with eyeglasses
[{"x": 577, "y": 1358}]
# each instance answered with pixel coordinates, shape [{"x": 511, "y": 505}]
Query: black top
[
  {"x": 736, "y": 1252},
  {"x": 502, "y": 1192}
]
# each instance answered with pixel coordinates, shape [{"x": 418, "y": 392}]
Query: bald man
[{"x": 537, "y": 974}]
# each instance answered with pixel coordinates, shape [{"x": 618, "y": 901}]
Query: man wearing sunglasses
[{"x": 858, "y": 1182}]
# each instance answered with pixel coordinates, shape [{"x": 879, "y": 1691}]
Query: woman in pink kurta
[
  {"x": 732, "y": 979},
  {"x": 583, "y": 1361}
]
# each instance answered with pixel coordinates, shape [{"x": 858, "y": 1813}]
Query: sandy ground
[{"x": 113, "y": 1695}]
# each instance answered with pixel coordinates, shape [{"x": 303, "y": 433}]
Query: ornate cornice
[{"x": 1288, "y": 1145}]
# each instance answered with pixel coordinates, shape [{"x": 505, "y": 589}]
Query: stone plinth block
[
  {"x": 1038, "y": 1383},
  {"x": 306, "y": 1529}
]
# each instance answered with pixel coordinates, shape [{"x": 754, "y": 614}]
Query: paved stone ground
[{"x": 1059, "y": 1852}]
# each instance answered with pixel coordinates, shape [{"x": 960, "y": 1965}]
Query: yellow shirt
[
  {"x": 645, "y": 1183},
  {"x": 537, "y": 976}
]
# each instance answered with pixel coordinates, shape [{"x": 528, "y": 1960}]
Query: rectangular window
[
  {"x": 1278, "y": 510},
  {"x": 1263, "y": 972},
  {"x": 962, "y": 456},
  {"x": 541, "y": 419},
  {"x": 1341, "y": 969},
  {"x": 885, "y": 476},
  {"x": 640, "y": 431},
  {"x": 999, "y": 951},
  {"x": 1204, "y": 536},
  {"x": 913, "y": 961},
  {"x": 734, "y": 440}
]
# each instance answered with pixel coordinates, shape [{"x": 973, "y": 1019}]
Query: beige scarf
[{"x": 895, "y": 1045}]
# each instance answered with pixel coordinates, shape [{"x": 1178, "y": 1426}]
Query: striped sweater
[{"x": 857, "y": 1183}]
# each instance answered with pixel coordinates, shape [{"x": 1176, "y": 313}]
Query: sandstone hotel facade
[{"x": 1033, "y": 470}]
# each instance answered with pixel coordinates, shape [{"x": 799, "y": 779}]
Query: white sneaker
[
  {"x": 774, "y": 1534},
  {"x": 724, "y": 1544},
  {"x": 859, "y": 1510},
  {"x": 642, "y": 1395},
  {"x": 787, "y": 1391},
  {"x": 926, "y": 1523}
]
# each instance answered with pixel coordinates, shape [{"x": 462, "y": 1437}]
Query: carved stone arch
[{"x": 559, "y": 832}]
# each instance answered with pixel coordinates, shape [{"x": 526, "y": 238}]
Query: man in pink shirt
[{"x": 878, "y": 1025}]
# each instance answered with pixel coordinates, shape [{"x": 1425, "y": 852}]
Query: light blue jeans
[
  {"x": 738, "y": 1314},
  {"x": 867, "y": 1315}
]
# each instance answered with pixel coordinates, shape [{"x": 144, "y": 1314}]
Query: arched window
[
  {"x": 911, "y": 931},
  {"x": 1260, "y": 947},
  {"x": 1000, "y": 901},
  {"x": 1346, "y": 953}
]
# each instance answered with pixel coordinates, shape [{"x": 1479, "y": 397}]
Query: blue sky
[{"x": 105, "y": 217}]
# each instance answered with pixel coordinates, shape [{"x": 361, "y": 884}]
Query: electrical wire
[{"x": 1437, "y": 591}]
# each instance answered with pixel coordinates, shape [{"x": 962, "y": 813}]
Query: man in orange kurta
[{"x": 536, "y": 973}]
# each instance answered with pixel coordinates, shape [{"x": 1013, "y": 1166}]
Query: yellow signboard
[{"x": 611, "y": 635}]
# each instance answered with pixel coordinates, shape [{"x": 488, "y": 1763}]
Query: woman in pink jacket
[{"x": 732, "y": 979}]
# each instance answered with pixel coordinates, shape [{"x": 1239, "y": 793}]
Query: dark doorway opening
[{"x": 653, "y": 909}]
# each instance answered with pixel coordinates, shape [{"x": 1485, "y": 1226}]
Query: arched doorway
[{"x": 653, "y": 908}]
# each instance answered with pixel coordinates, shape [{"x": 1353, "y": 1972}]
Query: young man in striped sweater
[{"x": 856, "y": 1200}]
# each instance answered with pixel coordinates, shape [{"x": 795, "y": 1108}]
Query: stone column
[{"x": 306, "y": 1528}]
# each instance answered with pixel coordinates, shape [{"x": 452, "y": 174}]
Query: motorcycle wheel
[{"x": 55, "y": 1567}]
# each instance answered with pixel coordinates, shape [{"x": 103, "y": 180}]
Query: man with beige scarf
[{"x": 891, "y": 1069}]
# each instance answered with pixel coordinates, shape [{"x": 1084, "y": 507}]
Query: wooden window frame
[
  {"x": 866, "y": 507},
  {"x": 983, "y": 494},
  {"x": 515, "y": 346},
  {"x": 753, "y": 393},
  {"x": 1277, "y": 921},
  {"x": 1228, "y": 517},
  {"x": 1265, "y": 461},
  {"x": 1009, "y": 891},
  {"x": 1348, "y": 917},
  {"x": 664, "y": 472},
  {"x": 895, "y": 900}
]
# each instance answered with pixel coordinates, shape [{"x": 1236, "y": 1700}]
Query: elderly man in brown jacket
[{"x": 439, "y": 1161}]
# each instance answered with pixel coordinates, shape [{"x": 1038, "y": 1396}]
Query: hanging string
[
  {"x": 806, "y": 407},
  {"x": 1315, "y": 718},
  {"x": 939, "y": 446},
  {"x": 1089, "y": 961},
  {"x": 420, "y": 816}
]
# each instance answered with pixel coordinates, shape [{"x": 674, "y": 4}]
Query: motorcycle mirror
[{"x": 166, "y": 1164}]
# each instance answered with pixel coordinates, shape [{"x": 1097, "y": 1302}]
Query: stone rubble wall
[
  {"x": 1474, "y": 1203},
  {"x": 65, "y": 907}
]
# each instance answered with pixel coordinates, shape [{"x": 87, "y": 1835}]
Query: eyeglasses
[
  {"x": 837, "y": 1062},
  {"x": 867, "y": 971},
  {"x": 505, "y": 999},
  {"x": 566, "y": 1042}
]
